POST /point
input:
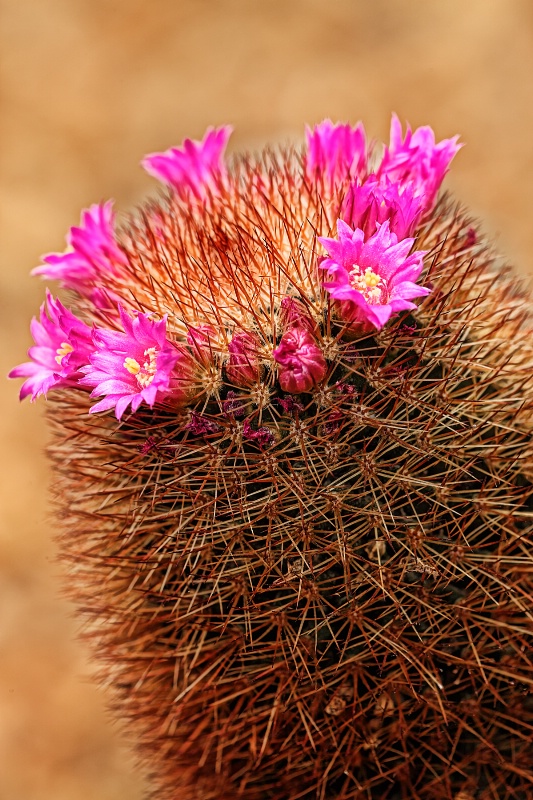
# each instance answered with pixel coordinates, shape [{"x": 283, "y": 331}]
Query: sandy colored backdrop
[{"x": 88, "y": 87}]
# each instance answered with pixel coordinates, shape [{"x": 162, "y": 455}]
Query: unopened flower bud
[
  {"x": 300, "y": 360},
  {"x": 293, "y": 312},
  {"x": 242, "y": 368},
  {"x": 201, "y": 340}
]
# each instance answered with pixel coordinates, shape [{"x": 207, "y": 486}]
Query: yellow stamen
[
  {"x": 144, "y": 374},
  {"x": 63, "y": 351},
  {"x": 371, "y": 279},
  {"x": 369, "y": 283},
  {"x": 132, "y": 366}
]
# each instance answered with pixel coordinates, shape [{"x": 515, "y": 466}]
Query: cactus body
[{"x": 325, "y": 593}]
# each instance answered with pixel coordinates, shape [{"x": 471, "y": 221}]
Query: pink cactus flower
[
  {"x": 194, "y": 169},
  {"x": 335, "y": 151},
  {"x": 139, "y": 365},
  {"x": 301, "y": 364},
  {"x": 419, "y": 159},
  {"x": 91, "y": 257},
  {"x": 377, "y": 200},
  {"x": 243, "y": 366},
  {"x": 374, "y": 278},
  {"x": 63, "y": 344}
]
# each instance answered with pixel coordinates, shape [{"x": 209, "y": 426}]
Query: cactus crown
[{"x": 305, "y": 549}]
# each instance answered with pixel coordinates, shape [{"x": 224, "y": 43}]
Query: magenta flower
[
  {"x": 418, "y": 159},
  {"x": 335, "y": 152},
  {"x": 376, "y": 200},
  {"x": 92, "y": 255},
  {"x": 373, "y": 278},
  {"x": 243, "y": 367},
  {"x": 63, "y": 344},
  {"x": 135, "y": 366},
  {"x": 301, "y": 364},
  {"x": 195, "y": 168}
]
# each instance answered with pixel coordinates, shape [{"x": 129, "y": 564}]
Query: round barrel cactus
[{"x": 291, "y": 403}]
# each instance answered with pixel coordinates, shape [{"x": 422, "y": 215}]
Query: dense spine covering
[{"x": 305, "y": 551}]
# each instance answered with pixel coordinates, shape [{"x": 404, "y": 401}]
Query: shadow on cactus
[{"x": 304, "y": 549}]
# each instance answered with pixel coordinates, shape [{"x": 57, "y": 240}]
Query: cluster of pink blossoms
[{"x": 372, "y": 272}]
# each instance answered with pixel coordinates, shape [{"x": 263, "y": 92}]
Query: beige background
[{"x": 88, "y": 87}]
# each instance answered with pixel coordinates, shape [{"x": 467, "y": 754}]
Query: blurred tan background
[{"x": 90, "y": 86}]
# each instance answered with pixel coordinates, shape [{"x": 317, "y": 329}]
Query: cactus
[{"x": 303, "y": 555}]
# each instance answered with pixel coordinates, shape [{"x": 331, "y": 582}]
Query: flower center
[
  {"x": 63, "y": 351},
  {"x": 371, "y": 285},
  {"x": 144, "y": 374}
]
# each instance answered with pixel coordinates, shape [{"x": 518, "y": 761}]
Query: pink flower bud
[
  {"x": 293, "y": 312},
  {"x": 242, "y": 368},
  {"x": 202, "y": 340},
  {"x": 301, "y": 363}
]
